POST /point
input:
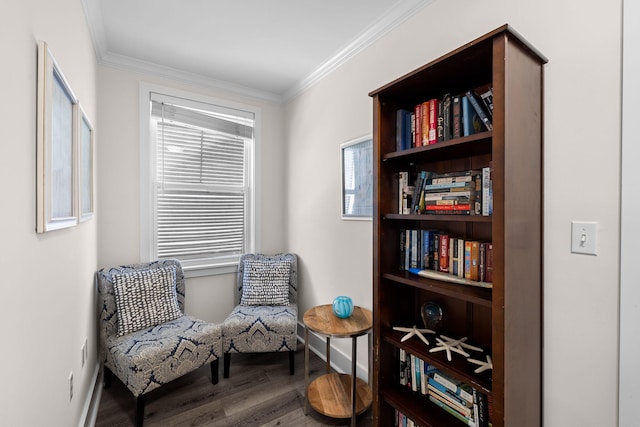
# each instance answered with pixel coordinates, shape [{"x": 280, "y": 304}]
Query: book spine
[
  {"x": 446, "y": 117},
  {"x": 481, "y": 262},
  {"x": 456, "y": 111},
  {"x": 440, "y": 120},
  {"x": 467, "y": 118},
  {"x": 479, "y": 109},
  {"x": 402, "y": 250},
  {"x": 425, "y": 122},
  {"x": 444, "y": 253},
  {"x": 486, "y": 171},
  {"x": 451, "y": 411},
  {"x": 448, "y": 185},
  {"x": 433, "y": 121},
  {"x": 475, "y": 263},
  {"x": 489, "y": 263},
  {"x": 417, "y": 136},
  {"x": 467, "y": 260},
  {"x": 450, "y": 401}
]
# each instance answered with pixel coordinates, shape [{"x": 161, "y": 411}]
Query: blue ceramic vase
[{"x": 342, "y": 307}]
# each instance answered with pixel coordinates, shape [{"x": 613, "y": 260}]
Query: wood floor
[{"x": 258, "y": 392}]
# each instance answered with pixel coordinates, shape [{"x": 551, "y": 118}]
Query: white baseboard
[
  {"x": 91, "y": 401},
  {"x": 340, "y": 361}
]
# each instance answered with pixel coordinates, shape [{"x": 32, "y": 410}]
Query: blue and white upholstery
[
  {"x": 270, "y": 327},
  {"x": 152, "y": 356}
]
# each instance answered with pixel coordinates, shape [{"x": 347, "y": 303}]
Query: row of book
[
  {"x": 401, "y": 420},
  {"x": 467, "y": 192},
  {"x": 452, "y": 116},
  {"x": 441, "y": 252},
  {"x": 464, "y": 402}
]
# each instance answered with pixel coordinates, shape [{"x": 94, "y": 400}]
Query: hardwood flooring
[{"x": 258, "y": 392}]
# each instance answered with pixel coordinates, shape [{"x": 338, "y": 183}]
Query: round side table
[{"x": 338, "y": 395}]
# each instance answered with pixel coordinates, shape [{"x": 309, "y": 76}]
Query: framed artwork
[
  {"x": 85, "y": 165},
  {"x": 56, "y": 202},
  {"x": 356, "y": 168}
]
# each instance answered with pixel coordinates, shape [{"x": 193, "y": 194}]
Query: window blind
[{"x": 200, "y": 182}]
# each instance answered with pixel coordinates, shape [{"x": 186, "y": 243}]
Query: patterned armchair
[
  {"x": 266, "y": 317},
  {"x": 147, "y": 345}
]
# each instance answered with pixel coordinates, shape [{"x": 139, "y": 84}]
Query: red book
[
  {"x": 444, "y": 253},
  {"x": 432, "y": 135},
  {"x": 460, "y": 207}
]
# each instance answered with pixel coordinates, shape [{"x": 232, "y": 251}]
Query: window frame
[{"x": 148, "y": 163}]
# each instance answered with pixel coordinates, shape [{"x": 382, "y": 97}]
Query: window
[{"x": 199, "y": 179}]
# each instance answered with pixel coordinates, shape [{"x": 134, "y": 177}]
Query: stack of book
[
  {"x": 456, "y": 398},
  {"x": 424, "y": 251},
  {"x": 453, "y": 193},
  {"x": 441, "y": 119}
]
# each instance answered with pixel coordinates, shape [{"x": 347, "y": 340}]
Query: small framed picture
[
  {"x": 356, "y": 167},
  {"x": 56, "y": 178}
]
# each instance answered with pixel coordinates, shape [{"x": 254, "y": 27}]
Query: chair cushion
[
  {"x": 145, "y": 298},
  {"x": 258, "y": 329},
  {"x": 265, "y": 282},
  {"x": 149, "y": 358}
]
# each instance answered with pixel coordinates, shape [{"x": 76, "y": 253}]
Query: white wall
[
  {"x": 210, "y": 298},
  {"x": 47, "y": 280},
  {"x": 582, "y": 159}
]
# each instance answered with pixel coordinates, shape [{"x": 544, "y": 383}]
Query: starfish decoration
[
  {"x": 484, "y": 365},
  {"x": 414, "y": 331},
  {"x": 449, "y": 344}
]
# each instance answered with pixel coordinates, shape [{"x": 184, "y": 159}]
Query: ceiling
[{"x": 270, "y": 49}]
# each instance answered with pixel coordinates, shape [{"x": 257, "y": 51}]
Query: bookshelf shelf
[{"x": 505, "y": 319}]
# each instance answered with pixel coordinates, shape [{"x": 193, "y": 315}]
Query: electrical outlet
[{"x": 71, "y": 385}]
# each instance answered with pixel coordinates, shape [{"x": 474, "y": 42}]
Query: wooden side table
[{"x": 338, "y": 395}]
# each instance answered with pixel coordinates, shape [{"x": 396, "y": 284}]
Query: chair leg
[
  {"x": 227, "y": 364},
  {"x": 291, "y": 362},
  {"x": 106, "y": 377},
  {"x": 214, "y": 371},
  {"x": 139, "y": 410}
]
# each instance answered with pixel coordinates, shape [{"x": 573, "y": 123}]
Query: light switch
[{"x": 584, "y": 237}]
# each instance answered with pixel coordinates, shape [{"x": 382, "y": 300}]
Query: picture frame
[
  {"x": 356, "y": 169},
  {"x": 56, "y": 134},
  {"x": 85, "y": 138}
]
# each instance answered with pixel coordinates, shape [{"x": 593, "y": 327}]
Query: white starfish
[
  {"x": 484, "y": 365},
  {"x": 448, "y": 344},
  {"x": 414, "y": 331},
  {"x": 462, "y": 344}
]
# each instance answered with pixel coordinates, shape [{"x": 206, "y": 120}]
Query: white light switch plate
[{"x": 584, "y": 237}]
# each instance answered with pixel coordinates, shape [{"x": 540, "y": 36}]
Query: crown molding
[
  {"x": 398, "y": 13},
  {"x": 128, "y": 63}
]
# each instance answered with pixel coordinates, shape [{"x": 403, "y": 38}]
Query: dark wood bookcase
[{"x": 505, "y": 320}]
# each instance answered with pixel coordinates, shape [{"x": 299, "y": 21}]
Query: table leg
[
  {"x": 306, "y": 370},
  {"x": 354, "y": 347},
  {"x": 328, "y": 354}
]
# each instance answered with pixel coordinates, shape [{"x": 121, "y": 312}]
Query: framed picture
[
  {"x": 85, "y": 165},
  {"x": 356, "y": 167},
  {"x": 56, "y": 202}
]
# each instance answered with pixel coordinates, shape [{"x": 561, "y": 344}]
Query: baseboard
[
  {"x": 340, "y": 361},
  {"x": 92, "y": 401}
]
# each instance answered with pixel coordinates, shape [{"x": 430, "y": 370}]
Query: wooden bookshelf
[{"x": 506, "y": 319}]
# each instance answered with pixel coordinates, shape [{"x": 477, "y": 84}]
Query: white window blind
[{"x": 201, "y": 183}]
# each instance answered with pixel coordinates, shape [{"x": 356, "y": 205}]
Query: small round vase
[
  {"x": 342, "y": 307},
  {"x": 431, "y": 315}
]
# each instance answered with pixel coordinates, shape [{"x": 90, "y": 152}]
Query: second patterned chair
[{"x": 265, "y": 318}]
